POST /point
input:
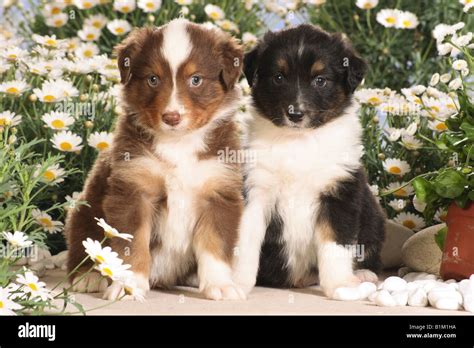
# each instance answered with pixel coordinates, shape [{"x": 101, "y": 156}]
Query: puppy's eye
[
  {"x": 278, "y": 79},
  {"x": 195, "y": 81},
  {"x": 319, "y": 81},
  {"x": 153, "y": 80}
]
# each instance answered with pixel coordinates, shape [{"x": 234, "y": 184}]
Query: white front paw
[
  {"x": 91, "y": 282},
  {"x": 223, "y": 292},
  {"x": 330, "y": 286}
]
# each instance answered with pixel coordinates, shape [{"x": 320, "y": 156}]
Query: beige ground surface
[{"x": 264, "y": 301}]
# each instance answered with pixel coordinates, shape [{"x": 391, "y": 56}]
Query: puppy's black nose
[{"x": 295, "y": 116}]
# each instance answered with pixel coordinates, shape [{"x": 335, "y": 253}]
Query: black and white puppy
[{"x": 309, "y": 210}]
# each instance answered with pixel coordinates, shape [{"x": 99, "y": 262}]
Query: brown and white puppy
[{"x": 162, "y": 180}]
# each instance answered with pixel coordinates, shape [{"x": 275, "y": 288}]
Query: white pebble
[
  {"x": 445, "y": 298},
  {"x": 384, "y": 299},
  {"x": 410, "y": 277},
  {"x": 400, "y": 297},
  {"x": 394, "y": 284},
  {"x": 366, "y": 289},
  {"x": 447, "y": 304},
  {"x": 466, "y": 287},
  {"x": 418, "y": 298},
  {"x": 450, "y": 281}
]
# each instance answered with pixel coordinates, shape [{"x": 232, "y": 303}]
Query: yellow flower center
[
  {"x": 58, "y": 124},
  {"x": 125, "y": 9},
  {"x": 119, "y": 30},
  {"x": 49, "y": 175},
  {"x": 400, "y": 193},
  {"x": 409, "y": 223},
  {"x": 102, "y": 145},
  {"x": 13, "y": 90},
  {"x": 107, "y": 271},
  {"x": 406, "y": 23},
  {"x": 390, "y": 20},
  {"x": 367, "y": 5},
  {"x": 87, "y": 4},
  {"x": 58, "y": 23},
  {"x": 65, "y": 146},
  {"x": 56, "y": 10},
  {"x": 99, "y": 259},
  {"x": 49, "y": 98},
  {"x": 394, "y": 170},
  {"x": 88, "y": 53},
  {"x": 33, "y": 286},
  {"x": 51, "y": 42},
  {"x": 109, "y": 234},
  {"x": 12, "y": 56},
  {"x": 214, "y": 15},
  {"x": 435, "y": 108},
  {"x": 90, "y": 36},
  {"x": 441, "y": 126},
  {"x": 150, "y": 5},
  {"x": 374, "y": 100},
  {"x": 451, "y": 106},
  {"x": 97, "y": 24},
  {"x": 1, "y": 304},
  {"x": 3, "y": 122},
  {"x": 46, "y": 222}
]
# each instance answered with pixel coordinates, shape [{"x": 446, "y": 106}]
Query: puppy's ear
[
  {"x": 356, "y": 69},
  {"x": 231, "y": 55},
  {"x": 250, "y": 65},
  {"x": 125, "y": 52}
]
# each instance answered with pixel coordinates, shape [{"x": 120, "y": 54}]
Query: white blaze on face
[{"x": 176, "y": 49}]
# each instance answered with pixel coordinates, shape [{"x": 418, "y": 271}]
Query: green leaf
[
  {"x": 453, "y": 124},
  {"x": 468, "y": 128},
  {"x": 471, "y": 195},
  {"x": 440, "y": 237},
  {"x": 441, "y": 145},
  {"x": 449, "y": 184},
  {"x": 424, "y": 190}
]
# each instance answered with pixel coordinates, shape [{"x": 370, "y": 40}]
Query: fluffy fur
[
  {"x": 308, "y": 207},
  {"x": 162, "y": 180}
]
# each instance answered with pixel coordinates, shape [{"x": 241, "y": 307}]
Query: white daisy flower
[
  {"x": 17, "y": 239},
  {"x": 418, "y": 204},
  {"x": 57, "y": 21},
  {"x": 441, "y": 215},
  {"x": 111, "y": 232},
  {"x": 410, "y": 142},
  {"x": 85, "y": 4},
  {"x": 97, "y": 21},
  {"x": 114, "y": 270},
  {"x": 13, "y": 54},
  {"x": 49, "y": 41},
  {"x": 66, "y": 87},
  {"x": 214, "y": 12},
  {"x": 445, "y": 78},
  {"x": 53, "y": 8},
  {"x": 249, "y": 39},
  {"x": 227, "y": 25},
  {"x": 374, "y": 189},
  {"x": 14, "y": 87},
  {"x": 100, "y": 140},
  {"x": 411, "y": 129},
  {"x": 397, "y": 204},
  {"x": 119, "y": 27},
  {"x": 463, "y": 40},
  {"x": 86, "y": 50},
  {"x": 396, "y": 167},
  {"x": 130, "y": 287},
  {"x": 394, "y": 133},
  {"x": 149, "y": 5},
  {"x": 52, "y": 175},
  {"x": 367, "y": 4},
  {"x": 469, "y": 5},
  {"x": 8, "y": 118},
  {"x": 73, "y": 200},
  {"x": 459, "y": 64},
  {"x": 370, "y": 96},
  {"x": 455, "y": 84},
  {"x": 400, "y": 190},
  {"x": 4, "y": 66},
  {"x": 437, "y": 126},
  {"x": 388, "y": 17},
  {"x": 407, "y": 20},
  {"x": 7, "y": 306},
  {"x": 46, "y": 221},
  {"x": 100, "y": 255},
  {"x": 444, "y": 49},
  {"x": 184, "y": 2},
  {"x": 434, "y": 79},
  {"x": 58, "y": 120},
  {"x": 89, "y": 33},
  {"x": 32, "y": 286},
  {"x": 67, "y": 141},
  {"x": 410, "y": 220},
  {"x": 124, "y": 6},
  {"x": 49, "y": 93}
]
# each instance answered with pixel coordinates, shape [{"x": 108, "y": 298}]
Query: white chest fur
[
  {"x": 184, "y": 175},
  {"x": 293, "y": 167}
]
